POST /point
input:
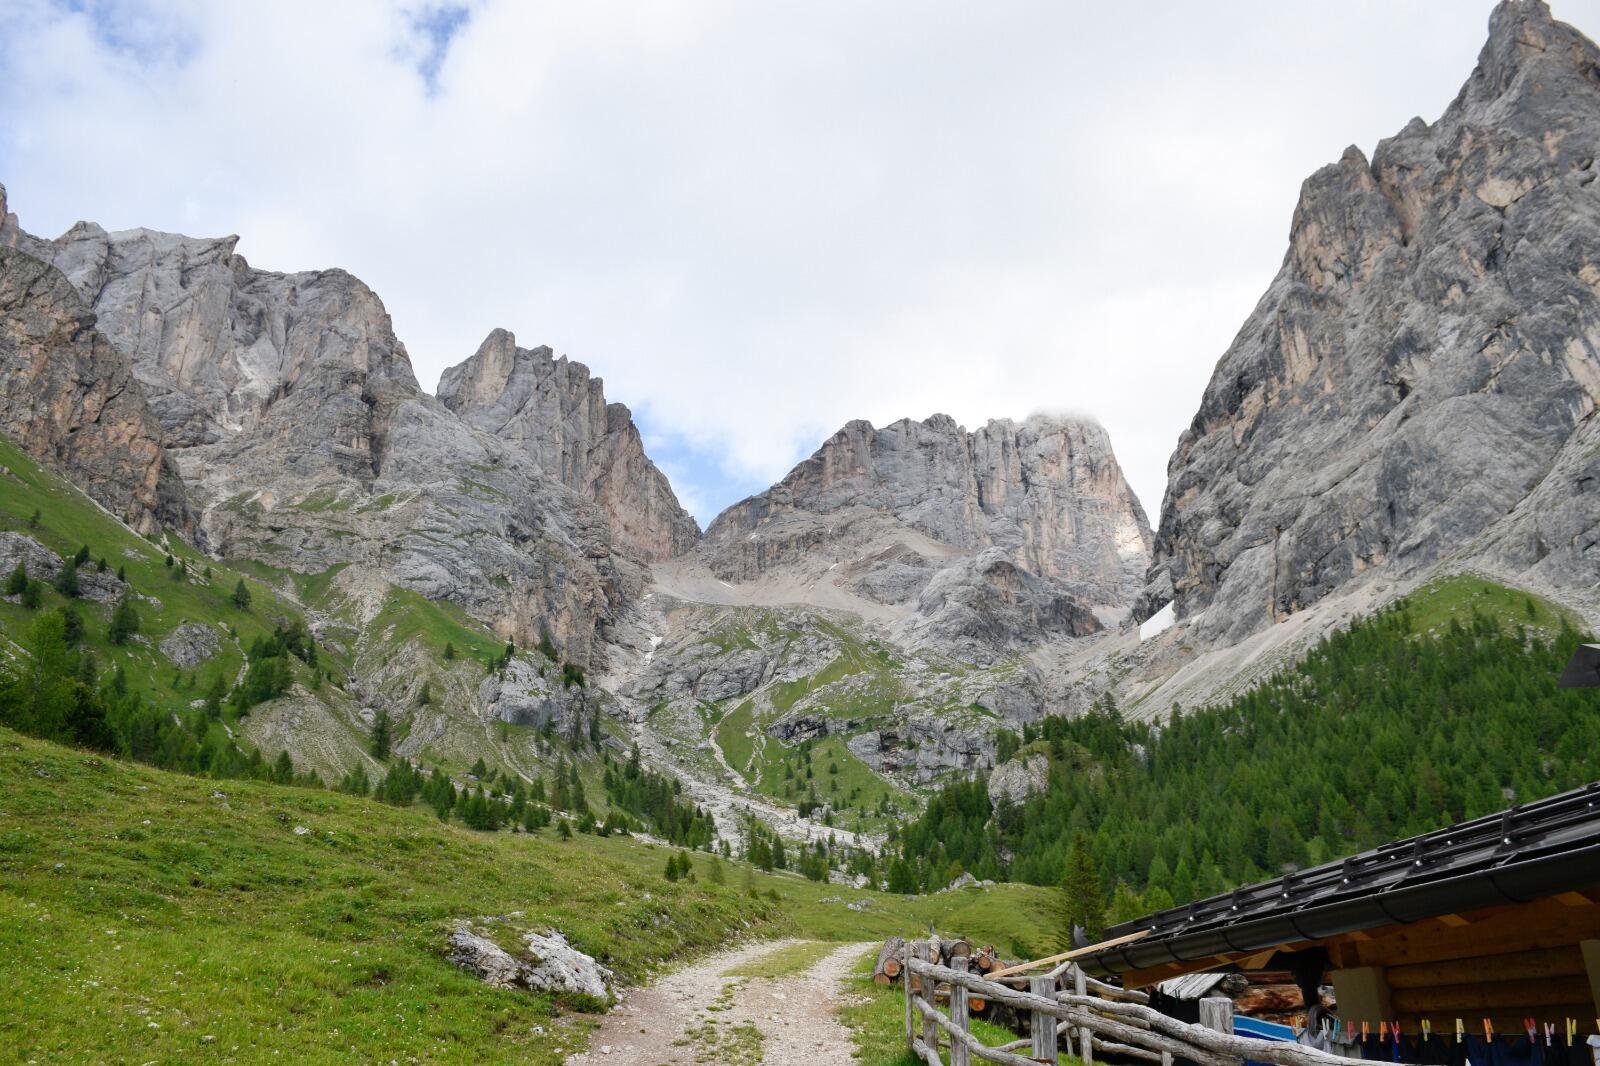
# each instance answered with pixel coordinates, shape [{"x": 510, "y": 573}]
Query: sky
[{"x": 759, "y": 220}]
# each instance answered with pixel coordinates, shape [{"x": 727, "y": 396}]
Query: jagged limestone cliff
[
  {"x": 553, "y": 410},
  {"x": 67, "y": 396},
  {"x": 1418, "y": 385},
  {"x": 291, "y": 411},
  {"x": 978, "y": 541}
]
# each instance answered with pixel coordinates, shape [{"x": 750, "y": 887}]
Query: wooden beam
[
  {"x": 1514, "y": 927},
  {"x": 1512, "y": 966},
  {"x": 1591, "y": 963},
  {"x": 1075, "y": 953},
  {"x": 1576, "y": 899},
  {"x": 1454, "y": 920},
  {"x": 1486, "y": 995}
]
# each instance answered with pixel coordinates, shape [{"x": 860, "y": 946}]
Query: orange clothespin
[
  {"x": 1365, "y": 1032},
  {"x": 1488, "y": 1029},
  {"x": 1383, "y": 1030}
]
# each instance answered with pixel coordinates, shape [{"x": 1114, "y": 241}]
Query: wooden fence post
[
  {"x": 906, "y": 980},
  {"x": 959, "y": 1054},
  {"x": 1216, "y": 1012},
  {"x": 930, "y": 1028},
  {"x": 1080, "y": 985},
  {"x": 1043, "y": 1025}
]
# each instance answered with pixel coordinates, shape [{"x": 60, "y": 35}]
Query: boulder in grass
[{"x": 551, "y": 964}]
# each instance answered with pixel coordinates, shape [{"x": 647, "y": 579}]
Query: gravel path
[{"x": 700, "y": 1016}]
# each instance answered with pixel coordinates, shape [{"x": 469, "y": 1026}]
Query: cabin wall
[{"x": 1536, "y": 960}]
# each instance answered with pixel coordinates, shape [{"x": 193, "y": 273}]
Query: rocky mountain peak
[
  {"x": 1047, "y": 490},
  {"x": 1420, "y": 380},
  {"x": 555, "y": 412},
  {"x": 973, "y": 541}
]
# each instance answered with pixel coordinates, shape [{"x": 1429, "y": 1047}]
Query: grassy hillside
[
  {"x": 38, "y": 503},
  {"x": 401, "y": 643},
  {"x": 154, "y": 914}
]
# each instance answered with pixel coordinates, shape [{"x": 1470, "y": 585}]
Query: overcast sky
[{"x": 755, "y": 220}]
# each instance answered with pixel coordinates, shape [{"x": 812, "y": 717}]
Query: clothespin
[
  {"x": 1383, "y": 1030},
  {"x": 1549, "y": 1033},
  {"x": 1365, "y": 1032},
  {"x": 1572, "y": 1030},
  {"x": 1531, "y": 1027},
  {"x": 1488, "y": 1030},
  {"x": 1394, "y": 1032},
  {"x": 1461, "y": 1031},
  {"x": 1427, "y": 1029}
]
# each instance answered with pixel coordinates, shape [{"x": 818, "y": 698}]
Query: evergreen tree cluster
[
  {"x": 658, "y": 800},
  {"x": 59, "y": 693},
  {"x": 1382, "y": 732}
]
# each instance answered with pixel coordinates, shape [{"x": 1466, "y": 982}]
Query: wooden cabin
[{"x": 1495, "y": 918}]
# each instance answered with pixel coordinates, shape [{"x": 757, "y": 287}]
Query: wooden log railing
[{"x": 1090, "y": 1020}]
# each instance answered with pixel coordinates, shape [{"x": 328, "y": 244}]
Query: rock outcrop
[
  {"x": 974, "y": 542},
  {"x": 550, "y": 963},
  {"x": 292, "y": 414},
  {"x": 1047, "y": 491},
  {"x": 1015, "y": 780},
  {"x": 67, "y": 395},
  {"x": 1419, "y": 383},
  {"x": 191, "y": 644},
  {"x": 553, "y": 410}
]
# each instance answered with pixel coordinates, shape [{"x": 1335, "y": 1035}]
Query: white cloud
[{"x": 756, "y": 221}]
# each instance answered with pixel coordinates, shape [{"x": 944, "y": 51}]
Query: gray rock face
[
  {"x": 191, "y": 644},
  {"x": 553, "y": 410},
  {"x": 972, "y": 544},
  {"x": 1419, "y": 382},
  {"x": 42, "y": 564},
  {"x": 68, "y": 397},
  {"x": 1048, "y": 492},
  {"x": 552, "y": 965},
  {"x": 1017, "y": 779},
  {"x": 294, "y": 418}
]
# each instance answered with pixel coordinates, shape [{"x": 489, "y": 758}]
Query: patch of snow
[{"x": 1159, "y": 622}]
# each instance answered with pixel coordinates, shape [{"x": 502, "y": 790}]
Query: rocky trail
[
  {"x": 702, "y": 1016},
  {"x": 727, "y": 804}
]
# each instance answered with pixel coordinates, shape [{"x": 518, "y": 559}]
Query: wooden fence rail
[{"x": 1093, "y": 1017}]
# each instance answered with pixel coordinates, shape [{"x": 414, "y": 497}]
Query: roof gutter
[{"x": 1514, "y": 882}]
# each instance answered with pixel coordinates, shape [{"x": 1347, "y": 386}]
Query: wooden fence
[{"x": 1093, "y": 1017}]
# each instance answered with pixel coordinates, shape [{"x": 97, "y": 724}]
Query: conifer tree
[
  {"x": 67, "y": 579},
  {"x": 241, "y": 596},
  {"x": 381, "y": 736},
  {"x": 17, "y": 583},
  {"x": 124, "y": 621},
  {"x": 1082, "y": 899}
]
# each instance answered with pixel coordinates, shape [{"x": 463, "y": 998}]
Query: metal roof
[
  {"x": 1527, "y": 852},
  {"x": 1584, "y": 669}
]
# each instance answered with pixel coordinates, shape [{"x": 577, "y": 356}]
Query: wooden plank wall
[{"x": 1505, "y": 964}]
